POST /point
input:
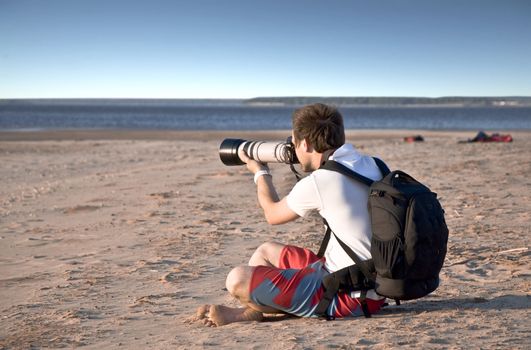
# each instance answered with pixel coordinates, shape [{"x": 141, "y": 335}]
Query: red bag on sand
[
  {"x": 500, "y": 138},
  {"x": 483, "y": 137}
]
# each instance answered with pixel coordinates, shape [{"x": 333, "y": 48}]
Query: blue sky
[{"x": 245, "y": 48}]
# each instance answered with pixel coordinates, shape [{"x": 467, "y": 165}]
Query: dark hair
[{"x": 321, "y": 125}]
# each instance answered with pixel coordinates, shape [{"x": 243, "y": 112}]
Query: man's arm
[{"x": 276, "y": 211}]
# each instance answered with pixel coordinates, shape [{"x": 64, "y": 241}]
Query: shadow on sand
[{"x": 504, "y": 302}]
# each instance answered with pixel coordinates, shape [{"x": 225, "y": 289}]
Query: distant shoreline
[
  {"x": 450, "y": 102},
  {"x": 369, "y": 102}
]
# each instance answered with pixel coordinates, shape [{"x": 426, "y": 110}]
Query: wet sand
[{"x": 113, "y": 238}]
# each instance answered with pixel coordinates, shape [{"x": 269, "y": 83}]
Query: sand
[{"x": 113, "y": 239}]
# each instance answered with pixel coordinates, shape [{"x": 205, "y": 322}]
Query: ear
[{"x": 307, "y": 146}]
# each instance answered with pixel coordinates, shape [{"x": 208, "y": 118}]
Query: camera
[{"x": 261, "y": 151}]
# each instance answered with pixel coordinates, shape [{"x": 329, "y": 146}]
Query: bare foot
[
  {"x": 219, "y": 315},
  {"x": 200, "y": 314}
]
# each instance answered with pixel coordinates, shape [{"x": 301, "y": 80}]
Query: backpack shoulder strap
[
  {"x": 340, "y": 168},
  {"x": 326, "y": 239},
  {"x": 332, "y": 283},
  {"x": 384, "y": 169},
  {"x": 366, "y": 266}
]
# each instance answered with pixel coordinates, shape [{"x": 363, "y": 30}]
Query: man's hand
[{"x": 252, "y": 165}]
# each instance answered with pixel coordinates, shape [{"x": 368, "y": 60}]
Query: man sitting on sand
[{"x": 287, "y": 279}]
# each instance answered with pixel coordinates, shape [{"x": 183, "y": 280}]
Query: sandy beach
[{"x": 112, "y": 239}]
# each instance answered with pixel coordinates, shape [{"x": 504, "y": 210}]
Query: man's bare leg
[
  {"x": 238, "y": 282},
  {"x": 267, "y": 254}
]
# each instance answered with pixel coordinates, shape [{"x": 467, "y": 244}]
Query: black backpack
[{"x": 408, "y": 245}]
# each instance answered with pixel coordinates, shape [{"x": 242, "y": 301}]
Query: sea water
[{"x": 239, "y": 115}]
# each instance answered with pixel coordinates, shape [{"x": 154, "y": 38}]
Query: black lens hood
[{"x": 228, "y": 152}]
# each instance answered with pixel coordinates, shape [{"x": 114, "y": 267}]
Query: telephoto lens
[{"x": 261, "y": 151}]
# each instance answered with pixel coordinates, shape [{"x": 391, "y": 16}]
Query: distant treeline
[{"x": 397, "y": 101}]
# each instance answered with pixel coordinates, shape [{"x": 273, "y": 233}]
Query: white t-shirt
[{"x": 342, "y": 202}]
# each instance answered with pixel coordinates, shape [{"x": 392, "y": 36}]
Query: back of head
[{"x": 321, "y": 125}]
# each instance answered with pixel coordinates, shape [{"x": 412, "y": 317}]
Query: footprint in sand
[
  {"x": 164, "y": 195},
  {"x": 156, "y": 299},
  {"x": 221, "y": 174},
  {"x": 482, "y": 271},
  {"x": 173, "y": 277},
  {"x": 82, "y": 209}
]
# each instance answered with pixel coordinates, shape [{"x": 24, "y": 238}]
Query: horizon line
[{"x": 262, "y": 97}]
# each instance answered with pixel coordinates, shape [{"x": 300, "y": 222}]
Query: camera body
[{"x": 261, "y": 151}]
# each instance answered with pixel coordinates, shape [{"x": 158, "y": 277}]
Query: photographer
[{"x": 287, "y": 279}]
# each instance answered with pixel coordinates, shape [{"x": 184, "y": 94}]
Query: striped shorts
[{"x": 295, "y": 287}]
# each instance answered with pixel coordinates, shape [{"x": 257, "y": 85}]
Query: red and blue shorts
[{"x": 295, "y": 287}]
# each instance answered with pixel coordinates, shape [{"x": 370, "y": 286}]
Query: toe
[{"x": 202, "y": 311}]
